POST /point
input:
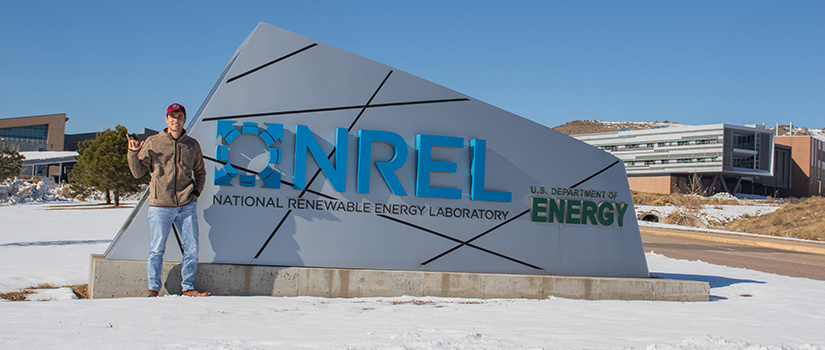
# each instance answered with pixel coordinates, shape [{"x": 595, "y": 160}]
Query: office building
[
  {"x": 695, "y": 159},
  {"x": 808, "y": 170}
]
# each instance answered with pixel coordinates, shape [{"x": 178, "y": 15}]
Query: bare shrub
[
  {"x": 644, "y": 198},
  {"x": 690, "y": 202},
  {"x": 684, "y": 218},
  {"x": 693, "y": 201}
]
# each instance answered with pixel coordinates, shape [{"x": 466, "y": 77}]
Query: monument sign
[{"x": 317, "y": 157}]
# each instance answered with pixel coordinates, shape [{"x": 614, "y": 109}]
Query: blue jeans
[{"x": 160, "y": 223}]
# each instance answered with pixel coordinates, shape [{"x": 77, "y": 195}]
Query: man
[{"x": 175, "y": 162}]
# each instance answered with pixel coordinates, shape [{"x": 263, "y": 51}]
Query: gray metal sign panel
[{"x": 319, "y": 157}]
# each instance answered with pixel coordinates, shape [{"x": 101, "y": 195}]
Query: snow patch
[
  {"x": 14, "y": 191},
  {"x": 717, "y": 343},
  {"x": 64, "y": 293},
  {"x": 640, "y": 125},
  {"x": 20, "y": 191},
  {"x": 709, "y": 215}
]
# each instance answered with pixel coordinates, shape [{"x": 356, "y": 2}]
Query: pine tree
[
  {"x": 102, "y": 164},
  {"x": 11, "y": 163}
]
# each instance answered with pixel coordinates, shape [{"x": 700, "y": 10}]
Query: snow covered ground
[
  {"x": 51, "y": 243},
  {"x": 710, "y": 215}
]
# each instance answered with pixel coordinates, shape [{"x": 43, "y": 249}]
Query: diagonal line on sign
[
  {"x": 309, "y": 184},
  {"x": 332, "y": 153},
  {"x": 368, "y": 103},
  {"x": 595, "y": 174},
  {"x": 177, "y": 236},
  {"x": 459, "y": 241},
  {"x": 508, "y": 221},
  {"x": 420, "y": 228},
  {"x": 474, "y": 238},
  {"x": 271, "y": 63},
  {"x": 278, "y": 227},
  {"x": 331, "y": 109}
]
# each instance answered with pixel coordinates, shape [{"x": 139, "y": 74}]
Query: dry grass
[
  {"x": 805, "y": 220},
  {"x": 577, "y": 127},
  {"x": 797, "y": 218},
  {"x": 432, "y": 302},
  {"x": 15, "y": 296},
  {"x": 43, "y": 286},
  {"x": 689, "y": 201},
  {"x": 684, "y": 218},
  {"x": 413, "y": 301},
  {"x": 80, "y": 290}
]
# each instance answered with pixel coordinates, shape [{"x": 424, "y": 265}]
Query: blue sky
[{"x": 695, "y": 62}]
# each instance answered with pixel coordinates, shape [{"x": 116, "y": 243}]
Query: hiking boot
[
  {"x": 195, "y": 293},
  {"x": 153, "y": 293}
]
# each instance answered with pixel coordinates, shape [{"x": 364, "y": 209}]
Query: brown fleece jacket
[{"x": 176, "y": 167}]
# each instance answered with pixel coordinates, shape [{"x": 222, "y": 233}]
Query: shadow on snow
[{"x": 53, "y": 243}]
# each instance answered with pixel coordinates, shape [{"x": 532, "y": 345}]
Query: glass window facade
[
  {"x": 31, "y": 132},
  {"x": 745, "y": 141},
  {"x": 25, "y": 138}
]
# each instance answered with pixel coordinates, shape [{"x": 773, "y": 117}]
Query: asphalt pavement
[{"x": 762, "y": 253}]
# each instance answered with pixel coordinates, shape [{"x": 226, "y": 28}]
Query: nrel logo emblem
[
  {"x": 306, "y": 144},
  {"x": 229, "y": 133}
]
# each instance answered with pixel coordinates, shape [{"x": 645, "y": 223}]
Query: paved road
[{"x": 784, "y": 257}]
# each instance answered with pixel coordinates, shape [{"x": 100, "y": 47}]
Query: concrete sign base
[{"x": 127, "y": 278}]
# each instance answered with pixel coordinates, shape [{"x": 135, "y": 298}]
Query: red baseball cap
[{"x": 175, "y": 107}]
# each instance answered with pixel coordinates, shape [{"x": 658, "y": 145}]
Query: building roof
[{"x": 48, "y": 157}]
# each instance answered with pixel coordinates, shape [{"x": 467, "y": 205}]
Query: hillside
[
  {"x": 805, "y": 220},
  {"x": 785, "y": 130},
  {"x": 578, "y": 127}
]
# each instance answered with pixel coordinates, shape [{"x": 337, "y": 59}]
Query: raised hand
[{"x": 134, "y": 145}]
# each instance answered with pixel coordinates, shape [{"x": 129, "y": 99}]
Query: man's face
[{"x": 175, "y": 121}]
